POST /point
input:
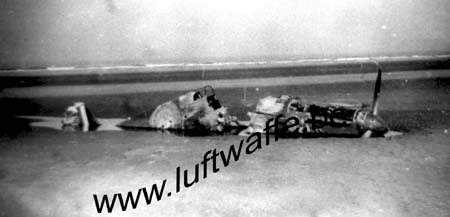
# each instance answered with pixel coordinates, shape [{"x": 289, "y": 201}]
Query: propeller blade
[{"x": 375, "y": 93}]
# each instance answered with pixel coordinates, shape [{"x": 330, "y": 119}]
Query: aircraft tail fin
[{"x": 79, "y": 116}]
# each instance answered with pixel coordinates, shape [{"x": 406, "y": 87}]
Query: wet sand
[{"x": 47, "y": 173}]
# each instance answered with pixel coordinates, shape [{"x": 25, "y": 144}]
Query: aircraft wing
[{"x": 106, "y": 124}]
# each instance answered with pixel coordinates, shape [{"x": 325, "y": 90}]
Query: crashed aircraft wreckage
[
  {"x": 199, "y": 112},
  {"x": 196, "y": 112},
  {"x": 319, "y": 119}
]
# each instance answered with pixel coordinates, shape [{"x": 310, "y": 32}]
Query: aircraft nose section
[{"x": 374, "y": 123}]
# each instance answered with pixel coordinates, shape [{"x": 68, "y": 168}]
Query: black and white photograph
[{"x": 325, "y": 108}]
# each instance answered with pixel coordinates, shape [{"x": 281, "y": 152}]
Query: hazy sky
[{"x": 121, "y": 32}]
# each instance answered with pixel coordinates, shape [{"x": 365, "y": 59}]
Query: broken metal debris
[
  {"x": 196, "y": 110},
  {"x": 79, "y": 118},
  {"x": 314, "y": 118}
]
